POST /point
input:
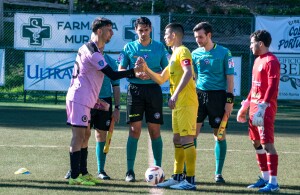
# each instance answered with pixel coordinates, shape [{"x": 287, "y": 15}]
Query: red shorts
[
  {"x": 77, "y": 115},
  {"x": 264, "y": 134}
]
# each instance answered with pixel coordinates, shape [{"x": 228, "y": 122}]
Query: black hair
[
  {"x": 100, "y": 22},
  {"x": 205, "y": 26},
  {"x": 263, "y": 36},
  {"x": 143, "y": 21}
]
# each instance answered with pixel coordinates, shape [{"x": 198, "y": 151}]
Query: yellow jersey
[{"x": 182, "y": 57}]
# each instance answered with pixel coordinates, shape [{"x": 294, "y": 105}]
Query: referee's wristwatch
[{"x": 117, "y": 107}]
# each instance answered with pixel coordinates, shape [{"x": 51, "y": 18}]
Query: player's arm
[
  {"x": 108, "y": 71},
  {"x": 273, "y": 79},
  {"x": 229, "y": 95}
]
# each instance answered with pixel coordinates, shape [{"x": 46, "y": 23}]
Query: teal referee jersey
[
  {"x": 212, "y": 67},
  {"x": 155, "y": 54}
]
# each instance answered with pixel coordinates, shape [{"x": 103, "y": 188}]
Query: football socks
[
  {"x": 157, "y": 147},
  {"x": 220, "y": 154},
  {"x": 131, "y": 152},
  {"x": 100, "y": 156}
]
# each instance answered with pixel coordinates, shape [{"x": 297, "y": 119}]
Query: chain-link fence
[{"x": 231, "y": 32}]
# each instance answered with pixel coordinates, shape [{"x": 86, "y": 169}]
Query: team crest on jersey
[
  {"x": 207, "y": 61},
  {"x": 260, "y": 67},
  {"x": 145, "y": 56},
  {"x": 101, "y": 63},
  {"x": 107, "y": 123},
  {"x": 121, "y": 57},
  {"x": 218, "y": 120},
  {"x": 157, "y": 115},
  {"x": 84, "y": 118},
  {"x": 230, "y": 63}
]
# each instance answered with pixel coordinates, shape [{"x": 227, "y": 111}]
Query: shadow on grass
[{"x": 134, "y": 188}]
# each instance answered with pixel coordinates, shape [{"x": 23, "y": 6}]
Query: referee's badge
[
  {"x": 157, "y": 115},
  {"x": 218, "y": 120}
]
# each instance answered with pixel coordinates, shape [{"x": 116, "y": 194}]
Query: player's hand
[
  {"x": 258, "y": 117},
  {"x": 241, "y": 115},
  {"x": 143, "y": 76},
  {"x": 116, "y": 115},
  {"x": 228, "y": 109},
  {"x": 172, "y": 102},
  {"x": 140, "y": 66}
]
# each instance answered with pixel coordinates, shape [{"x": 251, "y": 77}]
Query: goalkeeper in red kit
[{"x": 262, "y": 100}]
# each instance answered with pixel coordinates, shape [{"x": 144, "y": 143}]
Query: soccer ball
[{"x": 154, "y": 175}]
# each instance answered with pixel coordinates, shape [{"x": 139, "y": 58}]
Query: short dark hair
[
  {"x": 143, "y": 21},
  {"x": 205, "y": 26},
  {"x": 100, "y": 22},
  {"x": 263, "y": 36},
  {"x": 176, "y": 27}
]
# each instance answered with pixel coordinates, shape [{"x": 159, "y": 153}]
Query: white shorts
[{"x": 77, "y": 115}]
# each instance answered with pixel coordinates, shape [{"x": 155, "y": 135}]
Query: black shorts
[
  {"x": 144, "y": 98},
  {"x": 100, "y": 119},
  {"x": 211, "y": 104}
]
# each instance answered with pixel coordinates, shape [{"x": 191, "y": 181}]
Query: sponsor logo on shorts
[
  {"x": 218, "y": 120},
  {"x": 107, "y": 122},
  {"x": 157, "y": 115},
  {"x": 84, "y": 118}
]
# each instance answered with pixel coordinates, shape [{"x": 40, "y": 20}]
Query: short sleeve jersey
[
  {"x": 212, "y": 67},
  {"x": 107, "y": 82},
  {"x": 155, "y": 54},
  {"x": 182, "y": 57},
  {"x": 87, "y": 78},
  {"x": 265, "y": 67}
]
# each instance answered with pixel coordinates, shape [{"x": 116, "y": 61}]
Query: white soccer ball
[{"x": 154, "y": 175}]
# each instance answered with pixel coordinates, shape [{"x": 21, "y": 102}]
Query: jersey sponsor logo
[
  {"x": 36, "y": 31},
  {"x": 101, "y": 63},
  {"x": 186, "y": 62},
  {"x": 84, "y": 118},
  {"x": 230, "y": 63},
  {"x": 157, "y": 115}
]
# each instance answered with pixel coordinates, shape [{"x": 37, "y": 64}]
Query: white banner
[
  {"x": 2, "y": 67},
  {"x": 237, "y": 75},
  {"x": 48, "y": 71},
  {"x": 52, "y": 71},
  {"x": 69, "y": 32},
  {"x": 285, "y": 32},
  {"x": 289, "y": 85}
]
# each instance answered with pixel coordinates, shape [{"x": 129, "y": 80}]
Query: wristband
[
  {"x": 117, "y": 107},
  {"x": 229, "y": 98}
]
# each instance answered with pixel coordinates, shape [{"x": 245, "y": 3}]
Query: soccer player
[
  {"x": 87, "y": 77},
  {"x": 214, "y": 69},
  {"x": 144, "y": 96},
  {"x": 184, "y": 105},
  {"x": 262, "y": 100}
]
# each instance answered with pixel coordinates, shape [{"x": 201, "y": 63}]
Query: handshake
[{"x": 140, "y": 69}]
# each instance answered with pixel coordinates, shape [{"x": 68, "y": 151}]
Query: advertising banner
[
  {"x": 285, "y": 32},
  {"x": 289, "y": 85},
  {"x": 2, "y": 67},
  {"x": 64, "y": 32}
]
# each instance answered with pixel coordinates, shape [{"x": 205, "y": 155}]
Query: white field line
[{"x": 149, "y": 149}]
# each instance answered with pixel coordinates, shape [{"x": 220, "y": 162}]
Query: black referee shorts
[
  {"x": 144, "y": 98},
  {"x": 211, "y": 104}
]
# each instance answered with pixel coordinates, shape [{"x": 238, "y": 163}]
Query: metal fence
[{"x": 231, "y": 32}]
